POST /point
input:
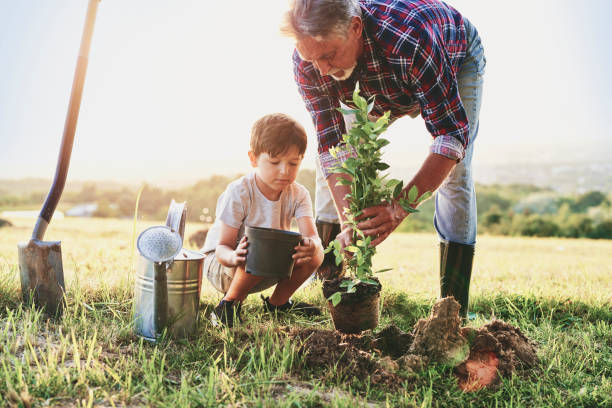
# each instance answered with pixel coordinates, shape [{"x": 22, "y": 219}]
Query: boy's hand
[
  {"x": 240, "y": 253},
  {"x": 305, "y": 251}
]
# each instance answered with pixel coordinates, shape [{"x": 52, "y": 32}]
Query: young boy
[{"x": 269, "y": 197}]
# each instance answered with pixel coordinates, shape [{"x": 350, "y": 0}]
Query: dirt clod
[
  {"x": 439, "y": 337},
  {"x": 498, "y": 349},
  {"x": 324, "y": 348}
]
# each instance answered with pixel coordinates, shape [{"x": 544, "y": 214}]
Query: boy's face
[{"x": 276, "y": 172}]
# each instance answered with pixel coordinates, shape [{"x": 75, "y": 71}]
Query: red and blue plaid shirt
[{"x": 412, "y": 52}]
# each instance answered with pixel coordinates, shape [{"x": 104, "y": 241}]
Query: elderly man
[{"x": 418, "y": 57}]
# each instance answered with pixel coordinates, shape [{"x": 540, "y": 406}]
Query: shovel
[{"x": 40, "y": 262}]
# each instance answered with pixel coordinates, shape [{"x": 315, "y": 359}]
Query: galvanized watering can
[{"x": 168, "y": 280}]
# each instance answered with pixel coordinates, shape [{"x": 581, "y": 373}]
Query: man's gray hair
[{"x": 319, "y": 18}]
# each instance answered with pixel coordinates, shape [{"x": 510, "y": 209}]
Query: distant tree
[
  {"x": 602, "y": 230},
  {"x": 534, "y": 226},
  {"x": 492, "y": 217},
  {"x": 487, "y": 199},
  {"x": 590, "y": 199},
  {"x": 577, "y": 226}
]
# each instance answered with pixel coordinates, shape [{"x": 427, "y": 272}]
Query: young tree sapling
[{"x": 368, "y": 187}]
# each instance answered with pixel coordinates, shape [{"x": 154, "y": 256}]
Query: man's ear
[
  {"x": 253, "y": 158},
  {"x": 356, "y": 26}
]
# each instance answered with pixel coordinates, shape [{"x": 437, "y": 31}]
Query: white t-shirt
[{"x": 242, "y": 204}]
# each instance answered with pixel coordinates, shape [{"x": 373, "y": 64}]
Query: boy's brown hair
[{"x": 276, "y": 133}]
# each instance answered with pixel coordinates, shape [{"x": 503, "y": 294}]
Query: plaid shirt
[{"x": 412, "y": 52}]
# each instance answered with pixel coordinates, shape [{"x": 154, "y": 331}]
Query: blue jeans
[{"x": 455, "y": 216}]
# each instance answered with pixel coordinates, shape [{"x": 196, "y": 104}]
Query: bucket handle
[{"x": 177, "y": 215}]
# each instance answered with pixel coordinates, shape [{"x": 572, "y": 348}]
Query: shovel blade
[{"x": 42, "y": 275}]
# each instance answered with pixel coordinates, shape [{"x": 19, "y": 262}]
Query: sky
[{"x": 173, "y": 87}]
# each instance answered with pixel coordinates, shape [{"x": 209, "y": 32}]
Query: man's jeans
[{"x": 455, "y": 216}]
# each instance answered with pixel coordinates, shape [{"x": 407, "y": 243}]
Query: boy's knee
[{"x": 306, "y": 269}]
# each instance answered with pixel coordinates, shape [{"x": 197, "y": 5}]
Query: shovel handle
[{"x": 63, "y": 160}]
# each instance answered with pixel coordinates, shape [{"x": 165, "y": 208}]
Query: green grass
[{"x": 557, "y": 291}]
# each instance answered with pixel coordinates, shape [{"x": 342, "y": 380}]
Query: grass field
[{"x": 558, "y": 291}]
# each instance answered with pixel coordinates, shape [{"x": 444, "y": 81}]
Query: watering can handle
[
  {"x": 177, "y": 215},
  {"x": 63, "y": 160}
]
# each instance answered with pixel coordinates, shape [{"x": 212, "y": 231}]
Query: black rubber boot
[
  {"x": 455, "y": 272},
  {"x": 328, "y": 269}
]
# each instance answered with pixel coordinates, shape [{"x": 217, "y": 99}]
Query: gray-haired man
[{"x": 418, "y": 57}]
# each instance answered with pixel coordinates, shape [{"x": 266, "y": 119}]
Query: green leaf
[
  {"x": 424, "y": 197},
  {"x": 382, "y": 143},
  {"x": 382, "y": 166},
  {"x": 370, "y": 281},
  {"x": 342, "y": 170},
  {"x": 347, "y": 111},
  {"x": 359, "y": 101},
  {"x": 348, "y": 170},
  {"x": 398, "y": 188},
  {"x": 413, "y": 193},
  {"x": 358, "y": 132},
  {"x": 346, "y": 283},
  {"x": 351, "y": 163},
  {"x": 406, "y": 205},
  {"x": 383, "y": 270},
  {"x": 351, "y": 248},
  {"x": 370, "y": 107},
  {"x": 335, "y": 298},
  {"x": 338, "y": 259}
]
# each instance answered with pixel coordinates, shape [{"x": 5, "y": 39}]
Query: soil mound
[
  {"x": 497, "y": 349},
  {"x": 325, "y": 348},
  {"x": 439, "y": 337},
  {"x": 480, "y": 356}
]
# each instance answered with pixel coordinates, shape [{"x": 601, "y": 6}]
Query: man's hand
[
  {"x": 381, "y": 220},
  {"x": 239, "y": 254}
]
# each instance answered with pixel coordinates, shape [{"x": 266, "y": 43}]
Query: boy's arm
[
  {"x": 227, "y": 253},
  {"x": 312, "y": 248}
]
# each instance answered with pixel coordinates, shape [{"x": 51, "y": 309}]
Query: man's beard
[{"x": 346, "y": 75}]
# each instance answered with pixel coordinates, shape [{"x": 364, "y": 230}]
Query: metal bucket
[
  {"x": 168, "y": 280},
  {"x": 167, "y": 295}
]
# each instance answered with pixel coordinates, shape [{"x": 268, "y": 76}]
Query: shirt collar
[{"x": 369, "y": 61}]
